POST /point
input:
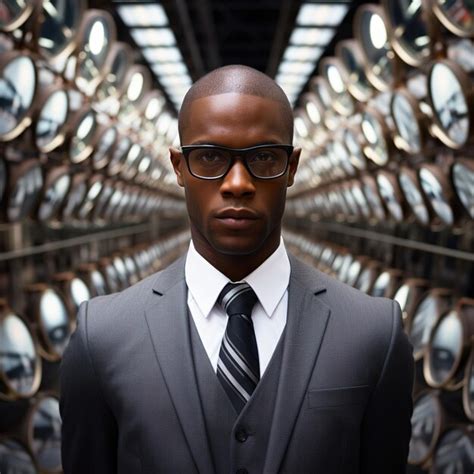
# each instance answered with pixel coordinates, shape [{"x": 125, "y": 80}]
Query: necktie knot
[{"x": 237, "y": 298}]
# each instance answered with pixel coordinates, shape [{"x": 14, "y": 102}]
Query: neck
[{"x": 236, "y": 266}]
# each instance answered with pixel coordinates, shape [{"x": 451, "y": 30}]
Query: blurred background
[{"x": 383, "y": 97}]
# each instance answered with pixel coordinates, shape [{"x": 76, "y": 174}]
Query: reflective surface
[
  {"x": 410, "y": 29},
  {"x": 414, "y": 198},
  {"x": 374, "y": 201},
  {"x": 357, "y": 77},
  {"x": 455, "y": 453},
  {"x": 114, "y": 79},
  {"x": 98, "y": 282},
  {"x": 51, "y": 120},
  {"x": 3, "y": 178},
  {"x": 82, "y": 137},
  {"x": 434, "y": 192},
  {"x": 14, "y": 459},
  {"x": 18, "y": 362},
  {"x": 381, "y": 284},
  {"x": 458, "y": 13},
  {"x": 463, "y": 179},
  {"x": 60, "y": 22},
  {"x": 446, "y": 347},
  {"x": 54, "y": 321},
  {"x": 17, "y": 89},
  {"x": 343, "y": 101},
  {"x": 54, "y": 197},
  {"x": 377, "y": 146},
  {"x": 423, "y": 321},
  {"x": 406, "y": 123},
  {"x": 25, "y": 194},
  {"x": 47, "y": 434},
  {"x": 387, "y": 192},
  {"x": 424, "y": 428},
  {"x": 11, "y": 12},
  {"x": 449, "y": 104},
  {"x": 79, "y": 292},
  {"x": 104, "y": 147},
  {"x": 74, "y": 199}
]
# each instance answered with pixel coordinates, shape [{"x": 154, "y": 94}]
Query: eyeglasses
[{"x": 214, "y": 162}]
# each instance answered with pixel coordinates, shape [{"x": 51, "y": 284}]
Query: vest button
[
  {"x": 242, "y": 471},
  {"x": 241, "y": 436}
]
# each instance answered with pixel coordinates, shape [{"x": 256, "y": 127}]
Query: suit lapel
[
  {"x": 166, "y": 314},
  {"x": 306, "y": 324}
]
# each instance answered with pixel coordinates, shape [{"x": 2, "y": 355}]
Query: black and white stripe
[{"x": 238, "y": 367}]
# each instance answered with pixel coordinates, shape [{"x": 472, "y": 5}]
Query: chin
[{"x": 237, "y": 245}]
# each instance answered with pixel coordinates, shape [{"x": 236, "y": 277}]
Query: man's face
[{"x": 235, "y": 121}]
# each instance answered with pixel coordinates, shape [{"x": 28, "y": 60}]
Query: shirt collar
[{"x": 269, "y": 280}]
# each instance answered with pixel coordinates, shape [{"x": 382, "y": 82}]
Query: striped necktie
[{"x": 238, "y": 369}]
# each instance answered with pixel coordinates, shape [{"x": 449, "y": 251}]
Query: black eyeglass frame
[{"x": 187, "y": 149}]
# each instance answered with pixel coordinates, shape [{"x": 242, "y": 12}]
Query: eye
[
  {"x": 263, "y": 156},
  {"x": 211, "y": 156}
]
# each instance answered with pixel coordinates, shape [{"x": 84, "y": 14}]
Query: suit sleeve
[
  {"x": 386, "y": 427},
  {"x": 89, "y": 430}
]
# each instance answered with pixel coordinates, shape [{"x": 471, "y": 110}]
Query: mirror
[
  {"x": 343, "y": 272},
  {"x": 81, "y": 141},
  {"x": 104, "y": 148},
  {"x": 390, "y": 197},
  {"x": 361, "y": 201},
  {"x": 457, "y": 16},
  {"x": 410, "y": 37},
  {"x": 373, "y": 199},
  {"x": 99, "y": 32},
  {"x": 14, "y": 458},
  {"x": 355, "y": 150},
  {"x": 358, "y": 84},
  {"x": 54, "y": 320},
  {"x": 89, "y": 201},
  {"x": 19, "y": 362},
  {"x": 46, "y": 434},
  {"x": 454, "y": 453},
  {"x": 59, "y": 24},
  {"x": 75, "y": 197},
  {"x": 18, "y": 79},
  {"x": 463, "y": 180},
  {"x": 435, "y": 194},
  {"x": 79, "y": 292},
  {"x": 98, "y": 282},
  {"x": 3, "y": 178},
  {"x": 406, "y": 122},
  {"x": 376, "y": 150},
  {"x": 445, "y": 347},
  {"x": 423, "y": 322},
  {"x": 342, "y": 101},
  {"x": 413, "y": 196},
  {"x": 112, "y": 279},
  {"x": 449, "y": 105},
  {"x": 381, "y": 284},
  {"x": 402, "y": 297},
  {"x": 364, "y": 282},
  {"x": 119, "y": 155},
  {"x": 51, "y": 121},
  {"x": 14, "y": 13},
  {"x": 54, "y": 197},
  {"x": 25, "y": 193},
  {"x": 425, "y": 426}
]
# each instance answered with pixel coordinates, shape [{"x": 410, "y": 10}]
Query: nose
[{"x": 238, "y": 181}]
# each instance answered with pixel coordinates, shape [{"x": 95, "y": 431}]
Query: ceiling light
[
  {"x": 143, "y": 15},
  {"x": 153, "y": 36},
  {"x": 311, "y": 14},
  {"x": 164, "y": 69},
  {"x": 293, "y": 67},
  {"x": 311, "y": 36},
  {"x": 170, "y": 54},
  {"x": 302, "y": 53}
]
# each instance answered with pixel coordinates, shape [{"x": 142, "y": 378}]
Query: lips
[{"x": 237, "y": 218}]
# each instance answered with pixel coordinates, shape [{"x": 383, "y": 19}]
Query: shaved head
[{"x": 241, "y": 80}]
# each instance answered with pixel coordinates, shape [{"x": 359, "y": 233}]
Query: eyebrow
[{"x": 224, "y": 146}]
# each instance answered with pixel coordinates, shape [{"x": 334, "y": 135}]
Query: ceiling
[{"x": 213, "y": 33}]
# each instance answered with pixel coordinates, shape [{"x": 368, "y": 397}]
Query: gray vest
[{"x": 237, "y": 442}]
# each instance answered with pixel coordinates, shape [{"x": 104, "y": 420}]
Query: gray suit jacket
[{"x": 130, "y": 403}]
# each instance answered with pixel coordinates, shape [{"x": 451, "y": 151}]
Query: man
[{"x": 302, "y": 375}]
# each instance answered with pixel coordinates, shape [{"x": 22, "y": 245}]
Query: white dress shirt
[{"x": 270, "y": 283}]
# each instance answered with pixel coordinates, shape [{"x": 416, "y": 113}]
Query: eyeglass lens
[{"x": 262, "y": 163}]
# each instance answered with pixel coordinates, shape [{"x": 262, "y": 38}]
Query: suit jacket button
[
  {"x": 241, "y": 436},
  {"x": 242, "y": 470}
]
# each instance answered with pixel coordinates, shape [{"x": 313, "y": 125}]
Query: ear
[
  {"x": 177, "y": 162},
  {"x": 293, "y": 165}
]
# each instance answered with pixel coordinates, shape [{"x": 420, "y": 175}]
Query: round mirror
[
  {"x": 119, "y": 156},
  {"x": 121, "y": 271},
  {"x": 408, "y": 127},
  {"x": 81, "y": 141},
  {"x": 412, "y": 193},
  {"x": 97, "y": 33},
  {"x": 18, "y": 81},
  {"x": 370, "y": 29},
  {"x": 343, "y": 272},
  {"x": 390, "y": 195},
  {"x": 462, "y": 174},
  {"x": 457, "y": 16},
  {"x": 373, "y": 131},
  {"x": 454, "y": 453},
  {"x": 435, "y": 193},
  {"x": 14, "y": 458},
  {"x": 20, "y": 366},
  {"x": 75, "y": 197},
  {"x": 365, "y": 280},
  {"x": 355, "y": 150},
  {"x": 98, "y": 283},
  {"x": 332, "y": 70},
  {"x": 444, "y": 350},
  {"x": 409, "y": 30},
  {"x": 447, "y": 86},
  {"x": 104, "y": 148},
  {"x": 59, "y": 22},
  {"x": 373, "y": 198},
  {"x": 3, "y": 178},
  {"x": 468, "y": 389},
  {"x": 351, "y": 56},
  {"x": 360, "y": 199},
  {"x": 14, "y": 13},
  {"x": 25, "y": 193},
  {"x": 381, "y": 284},
  {"x": 54, "y": 194},
  {"x": 425, "y": 427},
  {"x": 137, "y": 84},
  {"x": 79, "y": 292},
  {"x": 113, "y": 281},
  {"x": 51, "y": 120},
  {"x": 95, "y": 188},
  {"x": 54, "y": 321},
  {"x": 46, "y": 435}
]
